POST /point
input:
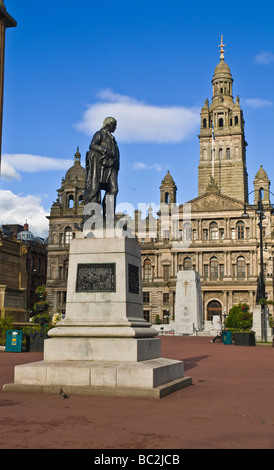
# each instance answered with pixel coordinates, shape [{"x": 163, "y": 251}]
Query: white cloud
[
  {"x": 16, "y": 209},
  {"x": 140, "y": 122},
  {"x": 257, "y": 103},
  {"x": 143, "y": 166},
  {"x": 264, "y": 58},
  {"x": 8, "y": 173},
  {"x": 25, "y": 163}
]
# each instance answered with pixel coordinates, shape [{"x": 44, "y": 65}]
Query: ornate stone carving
[
  {"x": 214, "y": 202},
  {"x": 96, "y": 278}
]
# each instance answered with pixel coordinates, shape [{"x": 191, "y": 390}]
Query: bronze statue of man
[{"x": 102, "y": 166}]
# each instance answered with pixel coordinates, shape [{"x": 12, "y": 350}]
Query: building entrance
[{"x": 214, "y": 308}]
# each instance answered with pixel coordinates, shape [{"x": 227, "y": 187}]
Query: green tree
[
  {"x": 239, "y": 317},
  {"x": 6, "y": 323}
]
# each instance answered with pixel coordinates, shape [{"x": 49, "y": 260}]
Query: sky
[{"x": 148, "y": 63}]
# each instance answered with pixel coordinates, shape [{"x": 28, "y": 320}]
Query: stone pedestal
[
  {"x": 261, "y": 324},
  {"x": 188, "y": 308},
  {"x": 104, "y": 345}
]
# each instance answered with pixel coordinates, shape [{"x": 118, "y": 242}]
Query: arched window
[
  {"x": 147, "y": 270},
  {"x": 213, "y": 231},
  {"x": 228, "y": 153},
  {"x": 81, "y": 198},
  {"x": 214, "y": 308},
  {"x": 241, "y": 267},
  {"x": 187, "y": 265},
  {"x": 187, "y": 232},
  {"x": 236, "y": 120},
  {"x": 167, "y": 198},
  {"x": 220, "y": 154},
  {"x": 213, "y": 268},
  {"x": 68, "y": 235},
  {"x": 221, "y": 122},
  {"x": 70, "y": 201},
  {"x": 240, "y": 230},
  {"x": 204, "y": 123}
]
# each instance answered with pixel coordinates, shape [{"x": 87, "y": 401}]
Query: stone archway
[{"x": 214, "y": 307}]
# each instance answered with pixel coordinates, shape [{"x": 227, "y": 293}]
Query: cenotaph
[
  {"x": 103, "y": 346},
  {"x": 260, "y": 324},
  {"x": 188, "y": 306}
]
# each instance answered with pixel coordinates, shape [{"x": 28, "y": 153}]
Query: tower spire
[{"x": 222, "y": 45}]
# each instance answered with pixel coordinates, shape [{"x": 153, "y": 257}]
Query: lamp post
[
  {"x": 271, "y": 259},
  {"x": 260, "y": 295},
  {"x": 6, "y": 21}
]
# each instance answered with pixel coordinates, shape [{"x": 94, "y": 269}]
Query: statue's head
[{"x": 110, "y": 123}]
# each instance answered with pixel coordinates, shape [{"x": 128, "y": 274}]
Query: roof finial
[
  {"x": 77, "y": 156},
  {"x": 222, "y": 45}
]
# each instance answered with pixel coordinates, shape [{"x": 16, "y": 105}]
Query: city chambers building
[{"x": 220, "y": 237}]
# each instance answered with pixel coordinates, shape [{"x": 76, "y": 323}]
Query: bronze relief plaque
[
  {"x": 133, "y": 279},
  {"x": 96, "y": 277}
]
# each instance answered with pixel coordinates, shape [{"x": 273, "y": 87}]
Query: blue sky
[{"x": 149, "y": 64}]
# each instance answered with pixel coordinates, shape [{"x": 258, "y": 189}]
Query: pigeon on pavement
[{"x": 62, "y": 394}]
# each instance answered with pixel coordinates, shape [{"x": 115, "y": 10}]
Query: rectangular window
[
  {"x": 241, "y": 270},
  {"x": 146, "y": 297},
  {"x": 221, "y": 271},
  {"x": 166, "y": 234},
  {"x": 166, "y": 273},
  {"x": 205, "y": 234},
  {"x": 206, "y": 271},
  {"x": 165, "y": 316},
  {"x": 214, "y": 270},
  {"x": 165, "y": 298},
  {"x": 240, "y": 232},
  {"x": 146, "y": 315}
]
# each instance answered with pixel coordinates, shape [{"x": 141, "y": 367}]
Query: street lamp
[
  {"x": 260, "y": 212},
  {"x": 260, "y": 295}
]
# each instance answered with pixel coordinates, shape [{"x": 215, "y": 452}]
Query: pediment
[{"x": 215, "y": 202}]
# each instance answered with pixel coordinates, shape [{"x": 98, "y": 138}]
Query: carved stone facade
[
  {"x": 223, "y": 248},
  {"x": 222, "y": 138},
  {"x": 213, "y": 239},
  {"x": 65, "y": 213},
  {"x": 13, "y": 279}
]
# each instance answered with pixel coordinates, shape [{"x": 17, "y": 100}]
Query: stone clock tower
[{"x": 222, "y": 138}]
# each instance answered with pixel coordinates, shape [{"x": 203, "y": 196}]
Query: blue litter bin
[
  {"x": 227, "y": 337},
  {"x": 14, "y": 341}
]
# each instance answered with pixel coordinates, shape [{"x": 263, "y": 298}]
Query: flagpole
[{"x": 212, "y": 152}]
